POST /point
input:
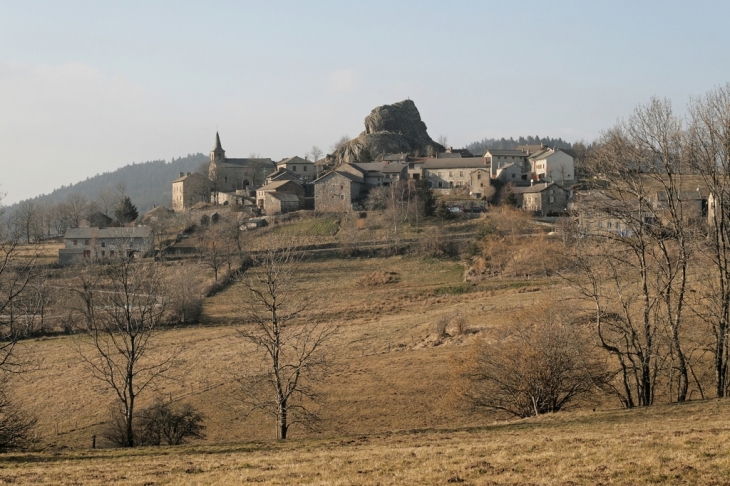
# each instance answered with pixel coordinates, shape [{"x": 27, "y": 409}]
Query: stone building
[
  {"x": 293, "y": 188},
  {"x": 553, "y": 166},
  {"x": 100, "y": 244},
  {"x": 336, "y": 192},
  {"x": 304, "y": 169},
  {"x": 544, "y": 199},
  {"x": 480, "y": 182},
  {"x": 188, "y": 190},
  {"x": 447, "y": 173},
  {"x": 230, "y": 175}
]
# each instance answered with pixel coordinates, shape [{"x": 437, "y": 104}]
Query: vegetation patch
[
  {"x": 458, "y": 289},
  {"x": 324, "y": 226},
  {"x": 378, "y": 278}
]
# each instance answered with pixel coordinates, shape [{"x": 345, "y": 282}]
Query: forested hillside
[
  {"x": 478, "y": 148},
  {"x": 148, "y": 184}
]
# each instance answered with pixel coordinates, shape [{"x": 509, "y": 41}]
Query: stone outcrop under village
[{"x": 389, "y": 129}]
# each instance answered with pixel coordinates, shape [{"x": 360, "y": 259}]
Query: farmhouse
[
  {"x": 497, "y": 159},
  {"x": 292, "y": 188},
  {"x": 188, "y": 190},
  {"x": 450, "y": 172},
  {"x": 100, "y": 244},
  {"x": 304, "y": 169},
  {"x": 543, "y": 199},
  {"x": 336, "y": 192},
  {"x": 553, "y": 166}
]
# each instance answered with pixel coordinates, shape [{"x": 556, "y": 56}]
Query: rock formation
[{"x": 389, "y": 129}]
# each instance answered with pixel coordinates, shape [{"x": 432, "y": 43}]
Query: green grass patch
[
  {"x": 457, "y": 289},
  {"x": 327, "y": 226}
]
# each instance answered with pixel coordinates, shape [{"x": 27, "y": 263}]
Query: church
[
  {"x": 231, "y": 175},
  {"x": 229, "y": 180}
]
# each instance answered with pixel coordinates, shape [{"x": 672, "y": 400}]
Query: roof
[
  {"x": 135, "y": 232},
  {"x": 502, "y": 167},
  {"x": 274, "y": 185},
  {"x": 448, "y": 155},
  {"x": 532, "y": 148},
  {"x": 369, "y": 166},
  {"x": 395, "y": 157},
  {"x": 251, "y": 162},
  {"x": 283, "y": 196},
  {"x": 536, "y": 188},
  {"x": 281, "y": 173},
  {"x": 543, "y": 153},
  {"x": 217, "y": 142},
  {"x": 506, "y": 153},
  {"x": 462, "y": 163},
  {"x": 194, "y": 174},
  {"x": 295, "y": 160},
  {"x": 346, "y": 175},
  {"x": 394, "y": 168}
]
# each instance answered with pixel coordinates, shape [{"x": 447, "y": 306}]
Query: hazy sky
[{"x": 86, "y": 87}]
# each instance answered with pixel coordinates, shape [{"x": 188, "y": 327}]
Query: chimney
[
  {"x": 532, "y": 182},
  {"x": 182, "y": 174}
]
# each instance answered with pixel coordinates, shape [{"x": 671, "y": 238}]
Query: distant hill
[
  {"x": 478, "y": 148},
  {"x": 148, "y": 184}
]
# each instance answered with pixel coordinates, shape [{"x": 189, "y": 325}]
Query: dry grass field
[
  {"x": 391, "y": 371},
  {"x": 666, "y": 444}
]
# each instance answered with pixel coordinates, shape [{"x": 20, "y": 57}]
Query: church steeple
[{"x": 217, "y": 155}]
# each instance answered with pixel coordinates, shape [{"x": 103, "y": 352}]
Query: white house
[{"x": 553, "y": 166}]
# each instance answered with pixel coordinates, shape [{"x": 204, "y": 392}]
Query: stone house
[
  {"x": 497, "y": 159},
  {"x": 370, "y": 172},
  {"x": 479, "y": 181},
  {"x": 394, "y": 172},
  {"x": 553, "y": 166},
  {"x": 280, "y": 187},
  {"x": 188, "y": 190},
  {"x": 451, "y": 172},
  {"x": 509, "y": 173},
  {"x": 280, "y": 202},
  {"x": 544, "y": 199},
  {"x": 100, "y": 244},
  {"x": 304, "y": 169},
  {"x": 282, "y": 175},
  {"x": 336, "y": 192}
]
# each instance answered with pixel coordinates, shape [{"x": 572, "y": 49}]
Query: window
[
  {"x": 304, "y": 168},
  {"x": 461, "y": 173},
  {"x": 86, "y": 242},
  {"x": 76, "y": 242},
  {"x": 552, "y": 199},
  {"x": 226, "y": 178},
  {"x": 103, "y": 252},
  {"x": 111, "y": 253},
  {"x": 294, "y": 168},
  {"x": 513, "y": 175},
  {"x": 342, "y": 187},
  {"x": 618, "y": 226},
  {"x": 608, "y": 225},
  {"x": 479, "y": 176},
  {"x": 440, "y": 174},
  {"x": 87, "y": 253},
  {"x": 342, "y": 196},
  {"x": 103, "y": 244},
  {"x": 440, "y": 184},
  {"x": 600, "y": 225},
  {"x": 451, "y": 174}
]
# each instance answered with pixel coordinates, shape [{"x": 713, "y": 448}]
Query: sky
[{"x": 90, "y": 86}]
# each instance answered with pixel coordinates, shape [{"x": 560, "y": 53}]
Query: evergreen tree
[
  {"x": 126, "y": 212},
  {"x": 425, "y": 195}
]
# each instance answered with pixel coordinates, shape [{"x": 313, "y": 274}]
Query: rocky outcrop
[{"x": 389, "y": 129}]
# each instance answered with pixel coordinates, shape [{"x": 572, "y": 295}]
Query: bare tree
[
  {"x": 340, "y": 143},
  {"x": 292, "y": 348},
  {"x": 708, "y": 138},
  {"x": 443, "y": 141},
  {"x": 25, "y": 218},
  {"x": 76, "y": 205},
  {"x": 539, "y": 366},
  {"x": 124, "y": 306},
  {"x": 316, "y": 153}
]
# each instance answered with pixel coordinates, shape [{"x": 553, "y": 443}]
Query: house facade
[
  {"x": 304, "y": 169},
  {"x": 293, "y": 188},
  {"x": 107, "y": 243},
  {"x": 336, "y": 192},
  {"x": 543, "y": 199},
  {"x": 188, "y": 190},
  {"x": 451, "y": 172},
  {"x": 479, "y": 181},
  {"x": 497, "y": 159},
  {"x": 553, "y": 166}
]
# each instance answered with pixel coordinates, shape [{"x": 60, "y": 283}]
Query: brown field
[{"x": 666, "y": 444}]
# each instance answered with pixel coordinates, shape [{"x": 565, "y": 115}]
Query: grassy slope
[{"x": 667, "y": 444}]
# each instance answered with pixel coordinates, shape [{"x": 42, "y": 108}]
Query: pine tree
[
  {"x": 126, "y": 212},
  {"x": 425, "y": 195}
]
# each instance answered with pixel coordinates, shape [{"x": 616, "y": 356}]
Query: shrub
[
  {"x": 164, "y": 422},
  {"x": 16, "y": 426},
  {"x": 375, "y": 279}
]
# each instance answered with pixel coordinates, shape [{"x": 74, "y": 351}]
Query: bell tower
[{"x": 217, "y": 155}]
